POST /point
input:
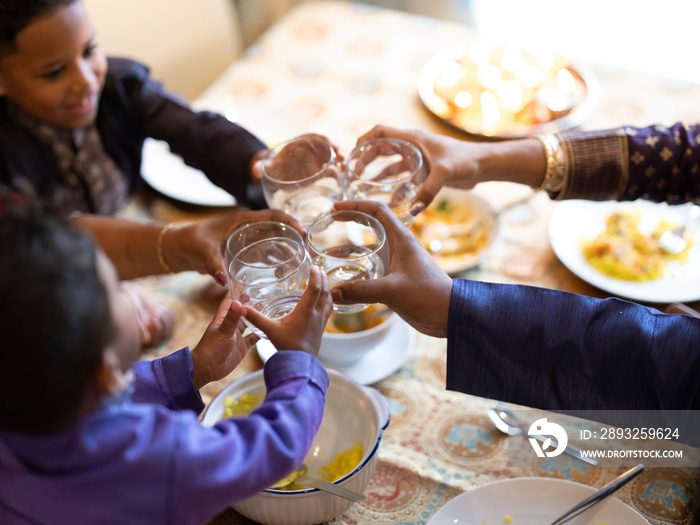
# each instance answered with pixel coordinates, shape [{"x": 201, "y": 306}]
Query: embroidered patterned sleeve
[{"x": 656, "y": 163}]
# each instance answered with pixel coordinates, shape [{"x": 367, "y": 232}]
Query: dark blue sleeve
[
  {"x": 562, "y": 351},
  {"x": 134, "y": 105}
]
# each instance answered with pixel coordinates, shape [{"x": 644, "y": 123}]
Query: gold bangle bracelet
[
  {"x": 159, "y": 248},
  {"x": 554, "y": 172}
]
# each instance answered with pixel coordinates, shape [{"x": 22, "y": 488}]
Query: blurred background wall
[
  {"x": 643, "y": 35},
  {"x": 188, "y": 43}
]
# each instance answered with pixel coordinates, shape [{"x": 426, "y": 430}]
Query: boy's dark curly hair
[
  {"x": 55, "y": 321},
  {"x": 15, "y": 15}
]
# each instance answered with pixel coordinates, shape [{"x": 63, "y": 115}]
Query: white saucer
[{"x": 381, "y": 362}]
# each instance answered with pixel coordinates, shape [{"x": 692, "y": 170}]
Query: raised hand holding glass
[
  {"x": 348, "y": 246},
  {"x": 303, "y": 177},
  {"x": 268, "y": 268},
  {"x": 386, "y": 170}
]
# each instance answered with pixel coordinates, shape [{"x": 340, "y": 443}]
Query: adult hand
[
  {"x": 463, "y": 164},
  {"x": 201, "y": 246},
  {"x": 222, "y": 346},
  {"x": 448, "y": 161},
  {"x": 303, "y": 328},
  {"x": 138, "y": 249},
  {"x": 413, "y": 286}
]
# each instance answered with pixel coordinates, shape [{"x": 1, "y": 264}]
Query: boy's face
[
  {"x": 58, "y": 71},
  {"x": 127, "y": 341}
]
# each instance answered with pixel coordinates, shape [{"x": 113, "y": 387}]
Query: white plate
[
  {"x": 168, "y": 174},
  {"x": 381, "y": 362},
  {"x": 573, "y": 220},
  {"x": 531, "y": 501},
  {"x": 437, "y": 106},
  {"x": 458, "y": 263}
]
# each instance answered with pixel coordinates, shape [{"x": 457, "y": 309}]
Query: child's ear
[{"x": 111, "y": 380}]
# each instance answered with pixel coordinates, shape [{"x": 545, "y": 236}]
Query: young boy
[
  {"x": 71, "y": 117},
  {"x": 74, "y": 449}
]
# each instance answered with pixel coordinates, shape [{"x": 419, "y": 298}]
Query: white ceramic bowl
[
  {"x": 346, "y": 348},
  {"x": 352, "y": 412},
  {"x": 429, "y": 227}
]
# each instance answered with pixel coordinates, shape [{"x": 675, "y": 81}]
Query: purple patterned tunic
[{"x": 656, "y": 163}]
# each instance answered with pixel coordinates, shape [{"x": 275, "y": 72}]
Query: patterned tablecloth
[{"x": 339, "y": 68}]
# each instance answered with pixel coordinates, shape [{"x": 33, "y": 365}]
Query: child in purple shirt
[{"x": 89, "y": 436}]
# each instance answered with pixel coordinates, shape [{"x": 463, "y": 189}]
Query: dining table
[{"x": 339, "y": 68}]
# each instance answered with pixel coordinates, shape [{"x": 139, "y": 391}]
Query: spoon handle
[
  {"x": 327, "y": 486},
  {"x": 600, "y": 495},
  {"x": 480, "y": 224},
  {"x": 572, "y": 450}
]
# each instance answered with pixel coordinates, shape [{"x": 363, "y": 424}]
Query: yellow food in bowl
[
  {"x": 356, "y": 322},
  {"x": 343, "y": 463},
  {"x": 444, "y": 228},
  {"x": 242, "y": 405},
  {"x": 622, "y": 252}
]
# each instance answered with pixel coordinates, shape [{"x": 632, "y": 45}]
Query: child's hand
[
  {"x": 303, "y": 328},
  {"x": 222, "y": 346}
]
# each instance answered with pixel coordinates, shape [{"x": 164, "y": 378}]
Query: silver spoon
[
  {"x": 600, "y": 495},
  {"x": 300, "y": 478},
  {"x": 675, "y": 241},
  {"x": 508, "y": 423},
  {"x": 487, "y": 220}
]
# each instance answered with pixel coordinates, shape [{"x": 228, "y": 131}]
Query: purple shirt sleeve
[
  {"x": 168, "y": 382},
  {"x": 143, "y": 463},
  {"x": 241, "y": 456},
  {"x": 664, "y": 164}
]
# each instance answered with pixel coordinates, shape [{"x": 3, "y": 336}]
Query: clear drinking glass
[
  {"x": 348, "y": 246},
  {"x": 386, "y": 170},
  {"x": 303, "y": 178},
  {"x": 268, "y": 268}
]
